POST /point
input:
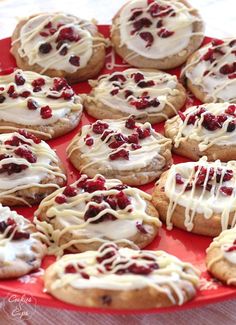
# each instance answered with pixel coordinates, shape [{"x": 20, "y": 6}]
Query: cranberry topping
[
  {"x": 99, "y": 127},
  {"x": 136, "y": 13},
  {"x": 2, "y": 99},
  {"x": 84, "y": 275},
  {"x": 94, "y": 210},
  {"x": 147, "y": 37},
  {"x": 118, "y": 77},
  {"x": 70, "y": 191},
  {"x": 141, "y": 228},
  {"x": 114, "y": 91},
  {"x": 208, "y": 56},
  {"x": 179, "y": 179},
  {"x": 48, "y": 25},
  {"x": 122, "y": 200},
  {"x": 130, "y": 123},
  {"x": 59, "y": 84},
  {"x": 91, "y": 186},
  {"x": 30, "y": 136},
  {"x": 226, "y": 190},
  {"x": 116, "y": 144},
  {"x": 12, "y": 168},
  {"x": 19, "y": 79},
  {"x": 128, "y": 93},
  {"x": 164, "y": 33},
  {"x": 137, "y": 77},
  {"x": 32, "y": 104},
  {"x": 88, "y": 140},
  {"x": 45, "y": 48},
  {"x": 143, "y": 84},
  {"x": 64, "y": 50},
  {"x": 46, "y": 112},
  {"x": 217, "y": 42},
  {"x": 26, "y": 153},
  {"x": 133, "y": 138},
  {"x": 25, "y": 94},
  {"x": 157, "y": 10},
  {"x": 11, "y": 92},
  {"x": 60, "y": 199},
  {"x": 139, "y": 269},
  {"x": 12, "y": 224},
  {"x": 108, "y": 255},
  {"x": 143, "y": 133},
  {"x": 228, "y": 68},
  {"x": 232, "y": 76},
  {"x": 120, "y": 154},
  {"x": 44, "y": 34},
  {"x": 67, "y": 94},
  {"x": 139, "y": 24},
  {"x": 67, "y": 33},
  {"x": 75, "y": 60},
  {"x": 70, "y": 268},
  {"x": 111, "y": 200},
  {"x": 231, "y": 126},
  {"x": 105, "y": 135},
  {"x": 37, "y": 84}
]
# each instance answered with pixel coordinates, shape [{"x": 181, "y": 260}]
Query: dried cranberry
[
  {"x": 12, "y": 168},
  {"x": 116, "y": 144},
  {"x": 99, "y": 127},
  {"x": 143, "y": 84},
  {"x": 120, "y": 154},
  {"x": 114, "y": 91},
  {"x": 91, "y": 186},
  {"x": 164, "y": 33},
  {"x": 231, "y": 126},
  {"x": 159, "y": 23},
  {"x": 139, "y": 24},
  {"x": 217, "y": 42},
  {"x": 137, "y": 77},
  {"x": 37, "y": 84},
  {"x": 64, "y": 50},
  {"x": 135, "y": 146},
  {"x": 141, "y": 228},
  {"x": 226, "y": 190},
  {"x": 26, "y": 153},
  {"x": 21, "y": 235},
  {"x": 133, "y": 138},
  {"x": 25, "y": 94},
  {"x": 59, "y": 84},
  {"x": 105, "y": 135},
  {"x": 2, "y": 99},
  {"x": 30, "y": 136},
  {"x": 208, "y": 56},
  {"x": 60, "y": 199},
  {"x": 128, "y": 93},
  {"x": 48, "y": 25},
  {"x": 130, "y": 123},
  {"x": 46, "y": 112},
  {"x": 70, "y": 269},
  {"x": 45, "y": 48},
  {"x": 179, "y": 179},
  {"x": 32, "y": 104},
  {"x": 44, "y": 34},
  {"x": 227, "y": 69},
  {"x": 94, "y": 210},
  {"x": 19, "y": 79},
  {"x": 136, "y": 13},
  {"x": 84, "y": 275},
  {"x": 67, "y": 33},
  {"x": 147, "y": 37},
  {"x": 122, "y": 200},
  {"x": 118, "y": 77},
  {"x": 231, "y": 109},
  {"x": 89, "y": 141},
  {"x": 75, "y": 60},
  {"x": 106, "y": 256},
  {"x": 143, "y": 133},
  {"x": 97, "y": 198},
  {"x": 70, "y": 191}
]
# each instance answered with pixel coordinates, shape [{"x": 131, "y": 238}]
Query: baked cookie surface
[
  {"x": 221, "y": 257},
  {"x": 29, "y": 168},
  {"x": 151, "y": 95},
  {"x": 204, "y": 130},
  {"x": 211, "y": 72},
  {"x": 21, "y": 249},
  {"x": 90, "y": 212},
  {"x": 156, "y": 34},
  {"x": 59, "y": 45},
  {"x": 44, "y": 106},
  {"x": 123, "y": 149},
  {"x": 198, "y": 196},
  {"x": 121, "y": 278}
]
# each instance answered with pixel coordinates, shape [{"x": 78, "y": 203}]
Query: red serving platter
[{"x": 186, "y": 246}]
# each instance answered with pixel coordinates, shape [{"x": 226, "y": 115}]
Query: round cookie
[
  {"x": 204, "y": 130},
  {"x": 221, "y": 257},
  {"x": 90, "y": 212},
  {"x": 59, "y": 45},
  {"x": 121, "y": 279},
  {"x": 29, "y": 169},
  {"x": 198, "y": 196},
  {"x": 44, "y": 106},
  {"x": 211, "y": 72},
  {"x": 21, "y": 250},
  {"x": 123, "y": 149},
  {"x": 151, "y": 95},
  {"x": 156, "y": 34}
]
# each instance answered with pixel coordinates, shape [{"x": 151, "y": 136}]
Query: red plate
[{"x": 186, "y": 246}]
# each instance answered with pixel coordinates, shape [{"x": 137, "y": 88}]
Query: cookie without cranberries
[
  {"x": 221, "y": 257},
  {"x": 123, "y": 149},
  {"x": 122, "y": 278},
  {"x": 29, "y": 168},
  {"x": 44, "y": 106},
  {"x": 198, "y": 196},
  {"x": 204, "y": 130},
  {"x": 21, "y": 250},
  {"x": 151, "y": 95},
  {"x": 90, "y": 212},
  {"x": 59, "y": 45},
  {"x": 211, "y": 72},
  {"x": 156, "y": 34}
]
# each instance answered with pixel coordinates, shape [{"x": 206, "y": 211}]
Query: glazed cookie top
[
  {"x": 156, "y": 29},
  {"x": 209, "y": 124},
  {"x": 97, "y": 210},
  {"x": 202, "y": 187},
  {"x": 31, "y": 99},
  {"x": 119, "y": 144},
  {"x": 112, "y": 268},
  {"x": 16, "y": 237},
  {"x": 57, "y": 41},
  {"x": 135, "y": 91},
  {"x": 213, "y": 68},
  {"x": 25, "y": 161}
]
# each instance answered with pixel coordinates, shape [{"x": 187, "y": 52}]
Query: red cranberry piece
[
  {"x": 136, "y": 13},
  {"x": 46, "y": 112},
  {"x": 97, "y": 198},
  {"x": 44, "y": 34},
  {"x": 32, "y": 104},
  {"x": 2, "y": 99},
  {"x": 120, "y": 154},
  {"x": 111, "y": 201},
  {"x": 130, "y": 123},
  {"x": 67, "y": 33},
  {"x": 143, "y": 84},
  {"x": 114, "y": 91},
  {"x": 137, "y": 77},
  {"x": 226, "y": 190},
  {"x": 217, "y": 42},
  {"x": 63, "y": 51},
  {"x": 231, "y": 109},
  {"x": 179, "y": 179},
  {"x": 122, "y": 200},
  {"x": 210, "y": 122},
  {"x": 52, "y": 31},
  {"x": 21, "y": 235},
  {"x": 116, "y": 144},
  {"x": 70, "y": 191},
  {"x": 59, "y": 84},
  {"x": 141, "y": 228},
  {"x": 67, "y": 94},
  {"x": 164, "y": 33},
  {"x": 142, "y": 269},
  {"x": 26, "y": 153},
  {"x": 89, "y": 141},
  {"x": 11, "y": 91},
  {"x": 48, "y": 25},
  {"x": 12, "y": 168},
  {"x": 231, "y": 249},
  {"x": 106, "y": 256},
  {"x": 118, "y": 77},
  {"x": 19, "y": 79},
  {"x": 105, "y": 135},
  {"x": 147, "y": 37},
  {"x": 139, "y": 24},
  {"x": 30, "y": 136},
  {"x": 232, "y": 76},
  {"x": 159, "y": 23},
  {"x": 70, "y": 269},
  {"x": 231, "y": 126},
  {"x": 25, "y": 94},
  {"x": 221, "y": 118},
  {"x": 128, "y": 93},
  {"x": 60, "y": 199},
  {"x": 93, "y": 211},
  {"x": 75, "y": 60},
  {"x": 99, "y": 127},
  {"x": 227, "y": 69},
  {"x": 38, "y": 82},
  {"x": 3, "y": 156},
  {"x": 208, "y": 56},
  {"x": 84, "y": 275},
  {"x": 135, "y": 146},
  {"x": 133, "y": 138},
  {"x": 143, "y": 133},
  {"x": 45, "y": 48},
  {"x": 91, "y": 186},
  {"x": 228, "y": 175}
]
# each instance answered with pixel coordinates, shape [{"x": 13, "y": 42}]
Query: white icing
[
  {"x": 181, "y": 24},
  {"x": 15, "y": 109}
]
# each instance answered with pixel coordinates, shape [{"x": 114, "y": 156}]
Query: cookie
[
  {"x": 211, "y": 72},
  {"x": 123, "y": 149},
  {"x": 198, "y": 196},
  {"x": 121, "y": 278},
  {"x": 59, "y": 45},
  {"x": 44, "y": 106},
  {"x": 21, "y": 250},
  {"x": 156, "y": 34},
  {"x": 90, "y": 212},
  {"x": 204, "y": 130},
  {"x": 151, "y": 95},
  {"x": 29, "y": 169}
]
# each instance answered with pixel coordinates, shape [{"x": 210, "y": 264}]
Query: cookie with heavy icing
[
  {"x": 199, "y": 197},
  {"x": 151, "y": 95},
  {"x": 204, "y": 130},
  {"x": 29, "y": 169},
  {"x": 221, "y": 257},
  {"x": 59, "y": 45},
  {"x": 89, "y": 212},
  {"x": 122, "y": 278},
  {"x": 157, "y": 34},
  {"x": 44, "y": 106},
  {"x": 123, "y": 149},
  {"x": 211, "y": 72},
  {"x": 21, "y": 250}
]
